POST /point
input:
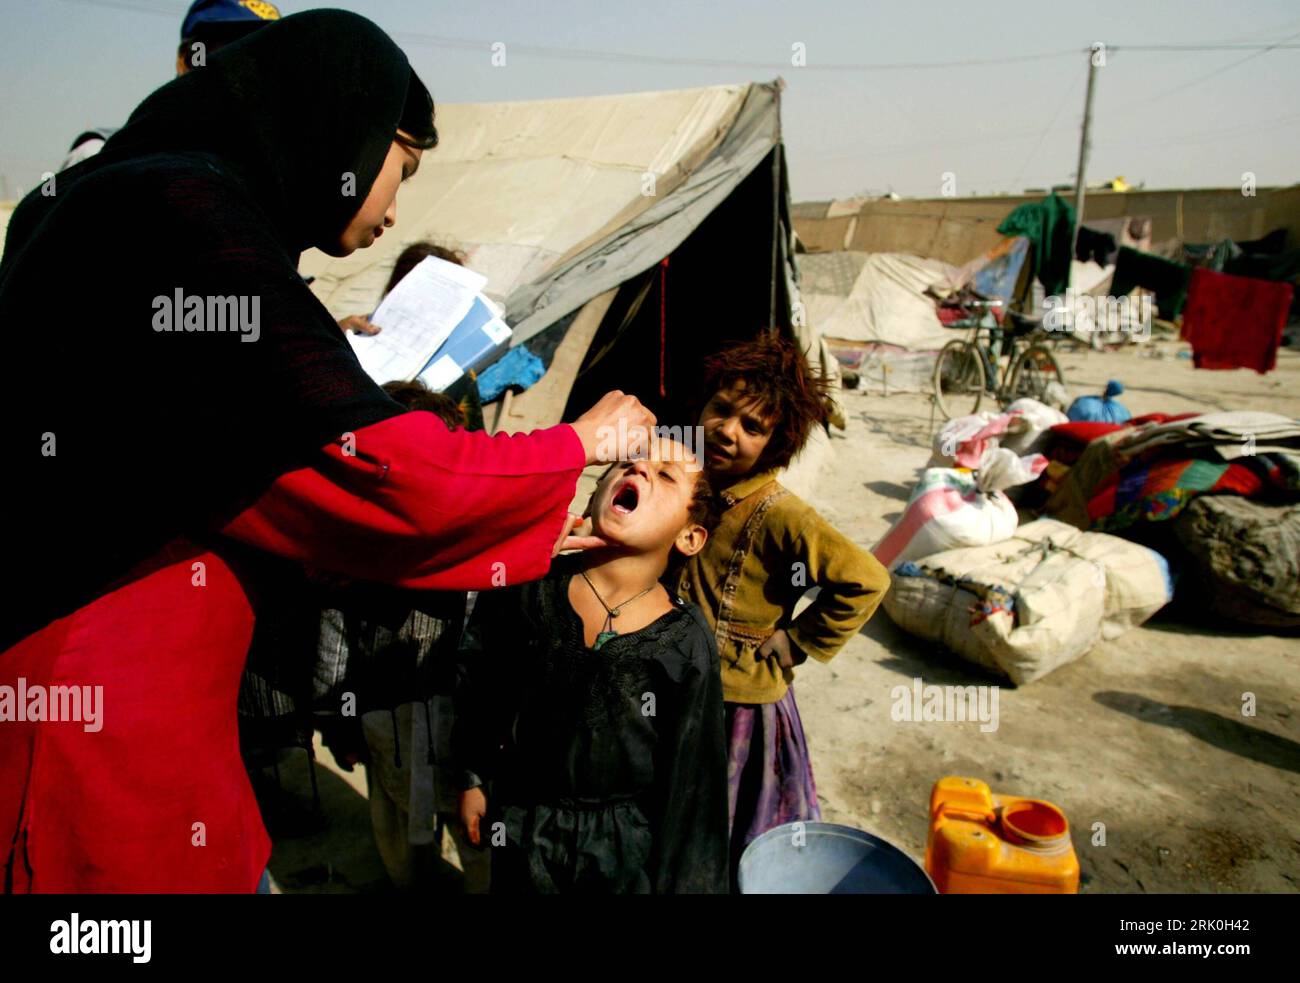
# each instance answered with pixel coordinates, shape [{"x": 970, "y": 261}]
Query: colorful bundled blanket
[
  {"x": 1150, "y": 473},
  {"x": 1157, "y": 488}
]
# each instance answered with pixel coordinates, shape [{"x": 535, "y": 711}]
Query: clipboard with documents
[{"x": 435, "y": 326}]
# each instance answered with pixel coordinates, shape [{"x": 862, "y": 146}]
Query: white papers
[
  {"x": 416, "y": 318},
  {"x": 441, "y": 374},
  {"x": 475, "y": 341}
]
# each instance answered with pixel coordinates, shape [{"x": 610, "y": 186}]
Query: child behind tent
[{"x": 394, "y": 651}]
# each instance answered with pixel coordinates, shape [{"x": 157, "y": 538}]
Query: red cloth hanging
[{"x": 1235, "y": 321}]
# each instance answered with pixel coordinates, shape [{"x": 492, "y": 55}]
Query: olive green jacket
[{"x": 767, "y": 551}]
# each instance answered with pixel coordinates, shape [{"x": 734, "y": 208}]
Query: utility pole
[{"x": 1079, "y": 190}]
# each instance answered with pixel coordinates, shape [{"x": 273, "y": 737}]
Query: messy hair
[
  {"x": 705, "y": 510},
  {"x": 415, "y": 395},
  {"x": 782, "y": 383},
  {"x": 416, "y": 253}
]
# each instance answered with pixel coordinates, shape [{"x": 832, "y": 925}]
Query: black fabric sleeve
[
  {"x": 484, "y": 697},
  {"x": 690, "y": 854}
]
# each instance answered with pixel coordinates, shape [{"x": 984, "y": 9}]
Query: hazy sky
[{"x": 1169, "y": 119}]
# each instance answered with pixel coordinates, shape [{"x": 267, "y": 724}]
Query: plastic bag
[
  {"x": 1032, "y": 423},
  {"x": 1100, "y": 409},
  {"x": 947, "y": 510},
  {"x": 953, "y": 507},
  {"x": 1003, "y": 468},
  {"x": 964, "y": 441}
]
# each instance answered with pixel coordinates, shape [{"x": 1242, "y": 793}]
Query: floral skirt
[{"x": 769, "y": 774}]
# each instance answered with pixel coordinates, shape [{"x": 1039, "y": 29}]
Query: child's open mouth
[{"x": 625, "y": 499}]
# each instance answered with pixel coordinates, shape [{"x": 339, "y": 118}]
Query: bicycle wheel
[
  {"x": 958, "y": 379},
  {"x": 1034, "y": 371}
]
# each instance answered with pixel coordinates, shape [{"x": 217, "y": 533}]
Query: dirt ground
[{"x": 1144, "y": 735}]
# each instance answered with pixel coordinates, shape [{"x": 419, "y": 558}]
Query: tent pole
[
  {"x": 776, "y": 234},
  {"x": 542, "y": 404}
]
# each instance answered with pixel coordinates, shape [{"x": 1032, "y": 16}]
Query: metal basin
[{"x": 826, "y": 858}]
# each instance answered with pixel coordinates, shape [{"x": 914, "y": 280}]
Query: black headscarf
[
  {"x": 291, "y": 108},
  {"x": 216, "y": 183}
]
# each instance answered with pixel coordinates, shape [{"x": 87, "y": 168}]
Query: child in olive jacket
[{"x": 768, "y": 550}]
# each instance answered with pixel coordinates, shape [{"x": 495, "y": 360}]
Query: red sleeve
[{"x": 410, "y": 503}]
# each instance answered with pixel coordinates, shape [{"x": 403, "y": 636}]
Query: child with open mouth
[{"x": 589, "y": 720}]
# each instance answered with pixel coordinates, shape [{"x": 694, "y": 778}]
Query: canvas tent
[
  {"x": 875, "y": 297},
  {"x": 570, "y": 208}
]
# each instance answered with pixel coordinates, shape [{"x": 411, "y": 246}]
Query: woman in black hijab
[{"x": 183, "y": 405}]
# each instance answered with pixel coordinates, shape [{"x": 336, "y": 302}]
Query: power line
[
  {"x": 1199, "y": 47},
  {"x": 1051, "y": 123},
  {"x": 157, "y": 7},
  {"x": 589, "y": 54},
  {"x": 1255, "y": 53}
]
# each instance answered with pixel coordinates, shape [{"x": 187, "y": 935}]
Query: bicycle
[{"x": 967, "y": 367}]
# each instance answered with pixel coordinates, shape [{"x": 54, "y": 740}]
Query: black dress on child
[{"x": 606, "y": 768}]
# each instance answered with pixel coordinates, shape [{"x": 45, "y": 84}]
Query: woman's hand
[
  {"x": 576, "y": 535},
  {"x": 473, "y": 807},
  {"x": 359, "y": 324},
  {"x": 787, "y": 653},
  {"x": 616, "y": 429}
]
